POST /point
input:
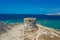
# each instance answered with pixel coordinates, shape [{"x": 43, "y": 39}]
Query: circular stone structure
[{"x": 30, "y": 22}]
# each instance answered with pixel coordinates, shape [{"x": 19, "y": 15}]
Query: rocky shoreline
[{"x": 19, "y": 32}]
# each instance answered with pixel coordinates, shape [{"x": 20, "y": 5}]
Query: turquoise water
[
  {"x": 50, "y": 23},
  {"x": 45, "y": 20}
]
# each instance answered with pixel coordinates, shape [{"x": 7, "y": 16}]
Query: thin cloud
[
  {"x": 41, "y": 9},
  {"x": 57, "y": 10}
]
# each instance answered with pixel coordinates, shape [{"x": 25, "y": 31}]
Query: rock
[{"x": 41, "y": 33}]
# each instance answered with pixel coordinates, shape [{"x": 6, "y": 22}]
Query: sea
[{"x": 52, "y": 21}]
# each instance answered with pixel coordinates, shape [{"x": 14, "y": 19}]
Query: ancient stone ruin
[{"x": 30, "y": 22}]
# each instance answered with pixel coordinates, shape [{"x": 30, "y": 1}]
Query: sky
[{"x": 29, "y": 6}]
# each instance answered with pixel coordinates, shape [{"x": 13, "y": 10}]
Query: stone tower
[{"x": 30, "y": 22}]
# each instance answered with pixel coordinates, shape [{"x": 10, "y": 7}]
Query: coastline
[{"x": 19, "y": 32}]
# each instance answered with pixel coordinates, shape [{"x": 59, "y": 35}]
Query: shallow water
[{"x": 49, "y": 21}]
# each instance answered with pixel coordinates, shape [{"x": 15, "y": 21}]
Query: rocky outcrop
[
  {"x": 19, "y": 32},
  {"x": 4, "y": 27}
]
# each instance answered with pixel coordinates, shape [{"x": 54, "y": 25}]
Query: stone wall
[{"x": 30, "y": 22}]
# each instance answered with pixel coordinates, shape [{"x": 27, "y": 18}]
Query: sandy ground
[{"x": 21, "y": 32}]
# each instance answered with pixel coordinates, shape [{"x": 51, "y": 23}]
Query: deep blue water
[{"x": 46, "y": 20}]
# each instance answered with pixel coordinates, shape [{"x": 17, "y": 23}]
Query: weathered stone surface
[
  {"x": 30, "y": 22},
  {"x": 19, "y": 32}
]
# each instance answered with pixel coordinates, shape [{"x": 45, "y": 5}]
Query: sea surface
[{"x": 52, "y": 21}]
